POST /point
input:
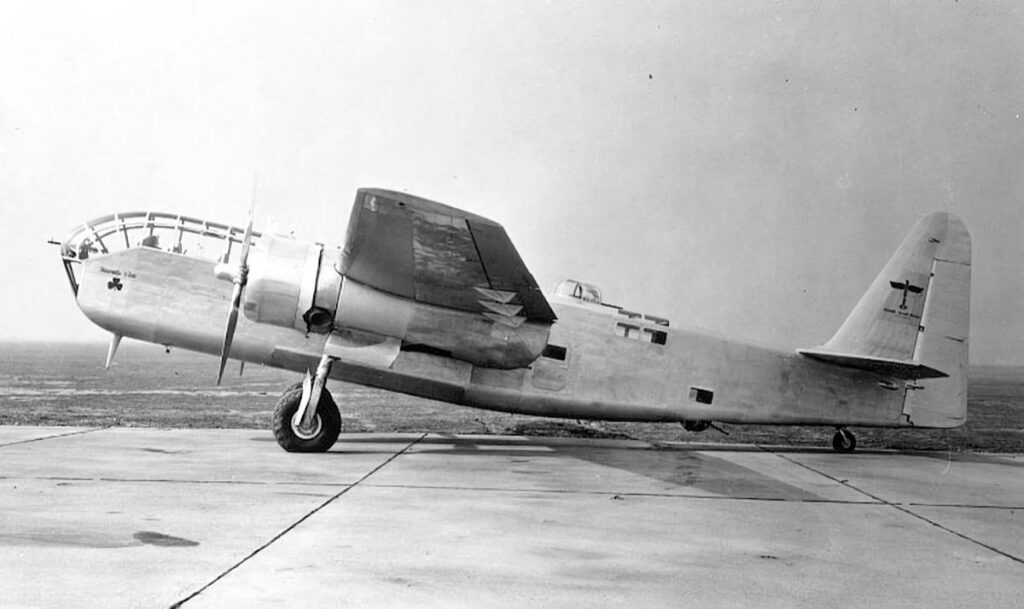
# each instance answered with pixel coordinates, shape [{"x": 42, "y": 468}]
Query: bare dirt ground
[{"x": 147, "y": 388}]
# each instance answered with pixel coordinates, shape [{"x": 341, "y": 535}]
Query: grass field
[{"x": 51, "y": 384}]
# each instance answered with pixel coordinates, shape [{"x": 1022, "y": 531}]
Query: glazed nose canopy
[{"x": 154, "y": 231}]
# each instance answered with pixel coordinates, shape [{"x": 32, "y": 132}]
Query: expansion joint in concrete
[
  {"x": 899, "y": 507},
  {"x": 298, "y": 522},
  {"x": 55, "y": 436}
]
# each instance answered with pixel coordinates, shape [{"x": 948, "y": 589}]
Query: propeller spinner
[{"x": 239, "y": 277}]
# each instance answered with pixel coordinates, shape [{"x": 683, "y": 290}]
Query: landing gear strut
[{"x": 844, "y": 441}]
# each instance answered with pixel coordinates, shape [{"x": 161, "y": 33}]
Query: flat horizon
[{"x": 136, "y": 344}]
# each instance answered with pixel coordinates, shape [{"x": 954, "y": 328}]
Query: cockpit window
[{"x": 579, "y": 290}]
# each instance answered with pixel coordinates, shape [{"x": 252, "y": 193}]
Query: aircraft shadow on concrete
[{"x": 676, "y": 468}]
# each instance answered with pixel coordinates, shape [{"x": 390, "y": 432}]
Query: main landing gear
[
  {"x": 844, "y": 441},
  {"x": 306, "y": 419},
  {"x": 321, "y": 435}
]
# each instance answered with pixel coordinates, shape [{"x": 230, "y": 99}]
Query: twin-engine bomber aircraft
[{"x": 433, "y": 301}]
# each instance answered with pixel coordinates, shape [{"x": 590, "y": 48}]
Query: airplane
[{"x": 433, "y": 301}]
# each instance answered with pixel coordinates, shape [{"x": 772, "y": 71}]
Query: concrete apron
[{"x": 222, "y": 518}]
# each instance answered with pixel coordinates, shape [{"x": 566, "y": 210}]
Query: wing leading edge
[{"x": 439, "y": 255}]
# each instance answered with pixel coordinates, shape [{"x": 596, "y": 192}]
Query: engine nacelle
[
  {"x": 293, "y": 284},
  {"x": 463, "y": 335}
]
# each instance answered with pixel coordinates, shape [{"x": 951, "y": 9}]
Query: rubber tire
[
  {"x": 326, "y": 410},
  {"x": 844, "y": 441}
]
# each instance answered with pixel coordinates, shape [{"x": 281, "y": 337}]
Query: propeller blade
[
  {"x": 241, "y": 278},
  {"x": 229, "y": 330},
  {"x": 247, "y": 238}
]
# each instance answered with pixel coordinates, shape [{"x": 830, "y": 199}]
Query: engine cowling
[{"x": 293, "y": 284}]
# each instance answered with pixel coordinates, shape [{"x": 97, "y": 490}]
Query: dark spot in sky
[
  {"x": 167, "y": 541},
  {"x": 650, "y": 77},
  {"x": 855, "y": 108},
  {"x": 769, "y": 557},
  {"x": 163, "y": 451}
]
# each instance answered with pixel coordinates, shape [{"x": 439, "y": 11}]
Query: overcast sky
[{"x": 739, "y": 166}]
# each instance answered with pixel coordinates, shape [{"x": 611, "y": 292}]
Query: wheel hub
[{"x": 307, "y": 434}]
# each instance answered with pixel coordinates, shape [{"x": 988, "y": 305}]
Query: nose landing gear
[{"x": 844, "y": 441}]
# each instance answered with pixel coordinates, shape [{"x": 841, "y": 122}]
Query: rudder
[{"x": 945, "y": 340}]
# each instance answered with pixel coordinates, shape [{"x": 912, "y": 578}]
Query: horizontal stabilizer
[{"x": 892, "y": 368}]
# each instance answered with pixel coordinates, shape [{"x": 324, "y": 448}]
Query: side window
[
  {"x": 649, "y": 335},
  {"x": 658, "y": 337},
  {"x": 554, "y": 352},
  {"x": 701, "y": 395}
]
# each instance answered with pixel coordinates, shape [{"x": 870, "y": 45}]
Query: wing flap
[{"x": 897, "y": 369}]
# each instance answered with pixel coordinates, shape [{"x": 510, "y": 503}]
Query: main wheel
[
  {"x": 844, "y": 441},
  {"x": 326, "y": 425}
]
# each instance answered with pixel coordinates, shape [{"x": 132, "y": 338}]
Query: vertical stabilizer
[{"x": 914, "y": 322}]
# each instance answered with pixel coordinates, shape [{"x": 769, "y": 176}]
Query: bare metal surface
[
  {"x": 222, "y": 518},
  {"x": 603, "y": 362}
]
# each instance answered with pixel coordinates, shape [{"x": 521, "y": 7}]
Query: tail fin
[{"x": 913, "y": 322}]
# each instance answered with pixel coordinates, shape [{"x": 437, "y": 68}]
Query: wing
[{"x": 439, "y": 255}]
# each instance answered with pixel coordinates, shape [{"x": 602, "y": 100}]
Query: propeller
[{"x": 240, "y": 277}]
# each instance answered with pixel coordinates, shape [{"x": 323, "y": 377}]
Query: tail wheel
[
  {"x": 327, "y": 424},
  {"x": 844, "y": 441}
]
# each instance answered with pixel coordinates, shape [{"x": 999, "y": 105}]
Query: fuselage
[{"x": 599, "y": 363}]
